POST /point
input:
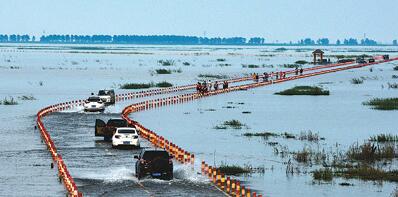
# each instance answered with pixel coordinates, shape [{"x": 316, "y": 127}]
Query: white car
[
  {"x": 125, "y": 136},
  {"x": 94, "y": 104}
]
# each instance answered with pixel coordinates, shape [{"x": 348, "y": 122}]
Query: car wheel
[
  {"x": 169, "y": 176},
  {"x": 139, "y": 175}
]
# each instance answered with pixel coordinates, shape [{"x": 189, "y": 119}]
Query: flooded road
[
  {"x": 100, "y": 170},
  {"x": 52, "y": 75}
]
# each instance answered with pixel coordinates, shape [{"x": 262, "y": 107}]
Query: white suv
[{"x": 125, "y": 136}]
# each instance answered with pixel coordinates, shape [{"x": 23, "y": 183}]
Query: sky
[{"x": 275, "y": 20}]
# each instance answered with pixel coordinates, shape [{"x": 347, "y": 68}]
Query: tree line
[{"x": 174, "y": 39}]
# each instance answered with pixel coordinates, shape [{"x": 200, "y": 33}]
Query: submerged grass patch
[
  {"x": 163, "y": 84},
  {"x": 392, "y": 85},
  {"x": 163, "y": 71},
  {"x": 304, "y": 90},
  {"x": 136, "y": 85},
  {"x": 302, "y": 156},
  {"x": 368, "y": 173},
  {"x": 370, "y": 152},
  {"x": 233, "y": 169},
  {"x": 356, "y": 81},
  {"x": 310, "y": 136},
  {"x": 236, "y": 124},
  {"x": 166, "y": 62},
  {"x": 304, "y": 135},
  {"x": 213, "y": 76},
  {"x": 382, "y": 138},
  {"x": 301, "y": 62},
  {"x": 262, "y": 134},
  {"x": 324, "y": 174},
  {"x": 383, "y": 103},
  {"x": 27, "y": 98},
  {"x": 10, "y": 101}
]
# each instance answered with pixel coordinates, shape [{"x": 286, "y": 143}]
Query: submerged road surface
[{"x": 100, "y": 170}]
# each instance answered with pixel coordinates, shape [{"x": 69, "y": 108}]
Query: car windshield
[
  {"x": 93, "y": 99},
  {"x": 150, "y": 155},
  {"x": 102, "y": 93},
  {"x": 117, "y": 123},
  {"x": 127, "y": 131}
]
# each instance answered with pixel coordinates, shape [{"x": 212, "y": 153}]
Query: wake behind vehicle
[
  {"x": 107, "y": 96},
  {"x": 155, "y": 163},
  {"x": 94, "y": 104},
  {"x": 125, "y": 137},
  {"x": 107, "y": 130}
]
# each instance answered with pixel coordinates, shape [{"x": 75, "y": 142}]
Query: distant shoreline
[{"x": 190, "y": 44}]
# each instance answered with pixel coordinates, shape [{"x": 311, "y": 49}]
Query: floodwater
[{"x": 57, "y": 73}]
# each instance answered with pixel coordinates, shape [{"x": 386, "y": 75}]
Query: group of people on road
[
  {"x": 274, "y": 75},
  {"x": 208, "y": 86}
]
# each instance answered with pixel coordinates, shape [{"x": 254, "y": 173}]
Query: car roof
[
  {"x": 153, "y": 150},
  {"x": 126, "y": 128}
]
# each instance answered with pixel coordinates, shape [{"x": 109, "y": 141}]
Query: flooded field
[{"x": 57, "y": 73}]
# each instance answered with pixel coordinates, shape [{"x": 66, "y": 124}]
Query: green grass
[
  {"x": 382, "y": 138},
  {"x": 371, "y": 152},
  {"x": 136, "y": 85},
  {"x": 356, "y": 81},
  {"x": 301, "y": 62},
  {"x": 304, "y": 90},
  {"x": 233, "y": 169},
  {"x": 10, "y": 101},
  {"x": 236, "y": 124},
  {"x": 164, "y": 84},
  {"x": 262, "y": 134},
  {"x": 309, "y": 136},
  {"x": 325, "y": 174},
  {"x": 368, "y": 173},
  {"x": 27, "y": 98},
  {"x": 290, "y": 65},
  {"x": 302, "y": 156},
  {"x": 383, "y": 103},
  {"x": 213, "y": 76},
  {"x": 250, "y": 66},
  {"x": 166, "y": 62},
  {"x": 163, "y": 71}
]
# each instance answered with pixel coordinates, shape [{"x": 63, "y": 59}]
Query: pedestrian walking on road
[{"x": 215, "y": 85}]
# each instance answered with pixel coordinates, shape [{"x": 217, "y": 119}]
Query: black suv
[{"x": 156, "y": 163}]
